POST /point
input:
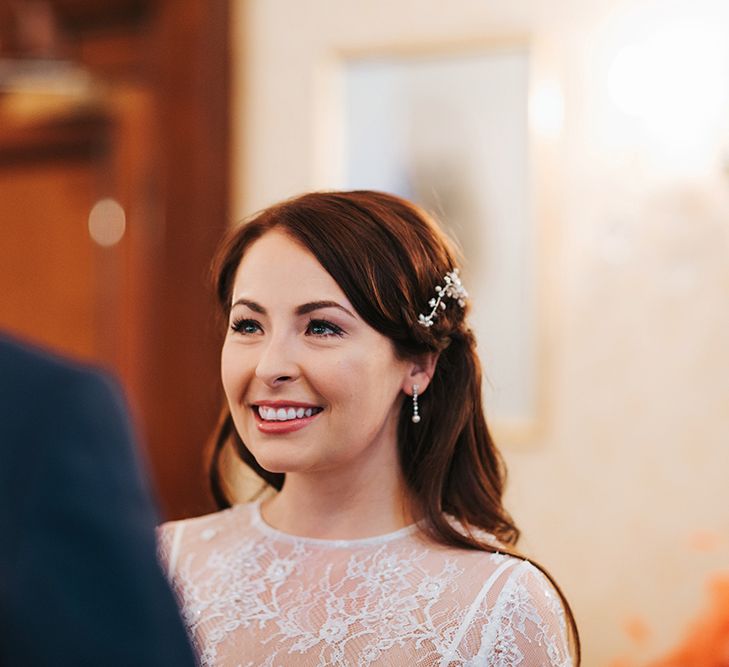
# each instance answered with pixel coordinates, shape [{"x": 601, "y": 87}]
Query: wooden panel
[
  {"x": 159, "y": 145},
  {"x": 192, "y": 126},
  {"x": 92, "y": 14},
  {"x": 47, "y": 259},
  {"x": 73, "y": 136}
]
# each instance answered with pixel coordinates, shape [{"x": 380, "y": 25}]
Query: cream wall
[{"x": 623, "y": 490}]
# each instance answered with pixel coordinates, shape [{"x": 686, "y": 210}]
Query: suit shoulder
[{"x": 26, "y": 368}]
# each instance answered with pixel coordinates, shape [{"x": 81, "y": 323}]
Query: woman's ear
[{"x": 420, "y": 372}]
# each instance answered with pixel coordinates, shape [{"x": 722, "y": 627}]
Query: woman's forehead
[{"x": 276, "y": 265}]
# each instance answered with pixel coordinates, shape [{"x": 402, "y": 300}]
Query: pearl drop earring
[{"x": 416, "y": 416}]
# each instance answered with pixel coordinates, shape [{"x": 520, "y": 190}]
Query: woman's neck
[{"x": 339, "y": 507}]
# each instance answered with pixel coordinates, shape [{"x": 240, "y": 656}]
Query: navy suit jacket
[{"x": 79, "y": 581}]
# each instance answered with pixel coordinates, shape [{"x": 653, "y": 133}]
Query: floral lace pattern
[{"x": 253, "y": 596}]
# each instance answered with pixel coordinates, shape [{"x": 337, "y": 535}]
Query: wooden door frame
[{"x": 163, "y": 122}]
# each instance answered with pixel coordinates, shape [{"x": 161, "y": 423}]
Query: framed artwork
[{"x": 450, "y": 132}]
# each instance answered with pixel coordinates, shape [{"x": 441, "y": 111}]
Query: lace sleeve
[
  {"x": 528, "y": 626},
  {"x": 169, "y": 536}
]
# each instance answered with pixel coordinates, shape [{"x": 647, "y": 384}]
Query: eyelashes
[
  {"x": 246, "y": 326},
  {"x": 323, "y": 329},
  {"x": 317, "y": 328}
]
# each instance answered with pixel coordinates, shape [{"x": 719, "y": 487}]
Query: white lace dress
[{"x": 251, "y": 595}]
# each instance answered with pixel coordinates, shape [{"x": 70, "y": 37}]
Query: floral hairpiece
[{"x": 452, "y": 289}]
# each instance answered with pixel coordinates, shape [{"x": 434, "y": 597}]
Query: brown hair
[{"x": 387, "y": 255}]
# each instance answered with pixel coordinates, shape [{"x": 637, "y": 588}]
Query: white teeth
[{"x": 283, "y": 414}]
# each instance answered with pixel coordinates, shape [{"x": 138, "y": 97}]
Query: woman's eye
[
  {"x": 323, "y": 328},
  {"x": 246, "y": 327}
]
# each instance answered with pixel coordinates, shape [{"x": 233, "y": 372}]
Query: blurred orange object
[
  {"x": 705, "y": 540},
  {"x": 621, "y": 662},
  {"x": 637, "y": 629},
  {"x": 707, "y": 641}
]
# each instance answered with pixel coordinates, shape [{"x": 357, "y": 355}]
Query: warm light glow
[
  {"x": 673, "y": 81},
  {"x": 107, "y": 222},
  {"x": 546, "y": 109}
]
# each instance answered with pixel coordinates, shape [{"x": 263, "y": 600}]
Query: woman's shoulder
[
  {"x": 183, "y": 535},
  {"x": 236, "y": 514},
  {"x": 509, "y": 603},
  {"x": 516, "y": 608},
  {"x": 505, "y": 578},
  {"x": 496, "y": 567},
  {"x": 524, "y": 582}
]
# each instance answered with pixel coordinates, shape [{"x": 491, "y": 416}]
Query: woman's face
[{"x": 311, "y": 387}]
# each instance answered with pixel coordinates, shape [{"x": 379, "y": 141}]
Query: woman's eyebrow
[
  {"x": 300, "y": 310},
  {"x": 317, "y": 305},
  {"x": 255, "y": 307}
]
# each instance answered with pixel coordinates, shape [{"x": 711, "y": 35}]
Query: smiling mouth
[{"x": 284, "y": 414}]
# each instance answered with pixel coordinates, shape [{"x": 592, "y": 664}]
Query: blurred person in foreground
[{"x": 79, "y": 580}]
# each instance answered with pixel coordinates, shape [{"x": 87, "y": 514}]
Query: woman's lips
[{"x": 289, "y": 425}]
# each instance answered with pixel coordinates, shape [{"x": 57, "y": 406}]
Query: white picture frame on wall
[{"x": 450, "y": 132}]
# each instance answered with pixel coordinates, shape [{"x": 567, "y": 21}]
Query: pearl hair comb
[{"x": 451, "y": 289}]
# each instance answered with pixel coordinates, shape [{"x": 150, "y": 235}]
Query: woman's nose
[{"x": 276, "y": 364}]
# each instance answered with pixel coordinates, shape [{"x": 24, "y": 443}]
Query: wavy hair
[{"x": 387, "y": 255}]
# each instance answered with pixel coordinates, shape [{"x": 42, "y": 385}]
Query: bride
[{"x": 353, "y": 388}]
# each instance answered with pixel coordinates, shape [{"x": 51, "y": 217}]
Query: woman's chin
[{"x": 275, "y": 462}]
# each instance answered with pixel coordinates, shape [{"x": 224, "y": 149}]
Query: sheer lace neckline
[
  {"x": 258, "y": 521},
  {"x": 254, "y": 595}
]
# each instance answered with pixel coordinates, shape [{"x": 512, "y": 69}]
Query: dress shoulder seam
[
  {"x": 175, "y": 548},
  {"x": 502, "y": 600},
  {"x": 506, "y": 565}
]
